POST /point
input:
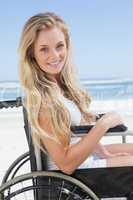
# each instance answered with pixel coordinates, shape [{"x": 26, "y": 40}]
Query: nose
[{"x": 54, "y": 54}]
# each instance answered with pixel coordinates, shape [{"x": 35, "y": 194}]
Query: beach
[{"x": 13, "y": 140}]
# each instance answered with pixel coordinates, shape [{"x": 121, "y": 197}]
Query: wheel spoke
[
  {"x": 72, "y": 192},
  {"x": 48, "y": 185},
  {"x": 62, "y": 185},
  {"x": 49, "y": 190}
]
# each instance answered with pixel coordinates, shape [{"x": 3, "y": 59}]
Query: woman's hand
[
  {"x": 110, "y": 120},
  {"x": 102, "y": 152},
  {"x": 87, "y": 118},
  {"x": 108, "y": 154}
]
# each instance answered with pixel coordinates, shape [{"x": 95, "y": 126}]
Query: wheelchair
[{"x": 43, "y": 184}]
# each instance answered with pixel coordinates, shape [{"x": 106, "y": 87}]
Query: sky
[{"x": 101, "y": 32}]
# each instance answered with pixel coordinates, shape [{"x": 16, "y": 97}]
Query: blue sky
[{"x": 101, "y": 32}]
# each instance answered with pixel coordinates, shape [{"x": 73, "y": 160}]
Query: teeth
[{"x": 54, "y": 63}]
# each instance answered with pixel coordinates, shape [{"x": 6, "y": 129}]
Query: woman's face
[{"x": 50, "y": 50}]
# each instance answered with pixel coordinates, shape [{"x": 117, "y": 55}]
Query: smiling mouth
[{"x": 54, "y": 64}]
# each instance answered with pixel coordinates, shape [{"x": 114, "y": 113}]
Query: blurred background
[
  {"x": 102, "y": 37},
  {"x": 101, "y": 32}
]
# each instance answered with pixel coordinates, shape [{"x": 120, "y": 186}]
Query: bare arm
[
  {"x": 77, "y": 153},
  {"x": 69, "y": 159},
  {"x": 101, "y": 151}
]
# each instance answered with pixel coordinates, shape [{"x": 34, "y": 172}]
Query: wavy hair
[{"x": 40, "y": 90}]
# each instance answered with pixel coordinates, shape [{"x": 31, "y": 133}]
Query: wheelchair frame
[{"x": 80, "y": 177}]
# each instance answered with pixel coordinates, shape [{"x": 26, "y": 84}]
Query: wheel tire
[{"x": 48, "y": 185}]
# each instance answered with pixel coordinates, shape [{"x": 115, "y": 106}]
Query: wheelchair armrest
[
  {"x": 124, "y": 133},
  {"x": 11, "y": 103},
  {"x": 86, "y": 128},
  {"x": 83, "y": 130},
  {"x": 120, "y": 130}
]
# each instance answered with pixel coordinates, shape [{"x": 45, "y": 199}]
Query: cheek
[
  {"x": 43, "y": 67},
  {"x": 40, "y": 59},
  {"x": 38, "y": 56},
  {"x": 41, "y": 63},
  {"x": 64, "y": 54}
]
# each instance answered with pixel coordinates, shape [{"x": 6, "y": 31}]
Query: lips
[{"x": 54, "y": 64}]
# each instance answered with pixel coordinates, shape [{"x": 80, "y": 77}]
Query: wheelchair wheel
[
  {"x": 16, "y": 166},
  {"x": 52, "y": 185}
]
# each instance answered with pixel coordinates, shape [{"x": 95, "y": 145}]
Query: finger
[{"x": 123, "y": 154}]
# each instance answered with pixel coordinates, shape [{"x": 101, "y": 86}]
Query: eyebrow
[{"x": 45, "y": 45}]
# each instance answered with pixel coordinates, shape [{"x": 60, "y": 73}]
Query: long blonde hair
[{"x": 40, "y": 89}]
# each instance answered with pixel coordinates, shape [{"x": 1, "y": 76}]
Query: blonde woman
[{"x": 55, "y": 100}]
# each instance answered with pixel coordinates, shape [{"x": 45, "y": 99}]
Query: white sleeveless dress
[{"x": 92, "y": 161}]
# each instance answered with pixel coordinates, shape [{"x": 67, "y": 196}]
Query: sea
[{"x": 108, "y": 90}]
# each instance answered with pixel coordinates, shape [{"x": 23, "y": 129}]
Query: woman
[{"x": 55, "y": 101}]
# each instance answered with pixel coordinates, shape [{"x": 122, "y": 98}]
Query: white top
[
  {"x": 73, "y": 110},
  {"x": 75, "y": 115},
  {"x": 91, "y": 161}
]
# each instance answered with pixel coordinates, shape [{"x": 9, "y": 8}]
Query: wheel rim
[{"x": 45, "y": 185}]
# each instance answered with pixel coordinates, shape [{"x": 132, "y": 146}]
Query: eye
[
  {"x": 44, "y": 49},
  {"x": 60, "y": 46}
]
